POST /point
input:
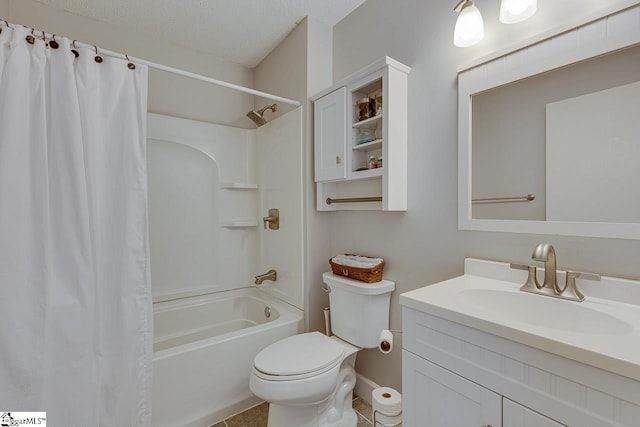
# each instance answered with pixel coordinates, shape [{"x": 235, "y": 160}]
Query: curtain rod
[{"x": 165, "y": 68}]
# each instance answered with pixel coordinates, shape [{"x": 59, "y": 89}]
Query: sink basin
[{"x": 543, "y": 311}]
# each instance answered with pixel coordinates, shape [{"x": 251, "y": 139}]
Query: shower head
[{"x": 256, "y": 116}]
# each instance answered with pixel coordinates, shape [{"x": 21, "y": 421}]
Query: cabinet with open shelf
[{"x": 360, "y": 153}]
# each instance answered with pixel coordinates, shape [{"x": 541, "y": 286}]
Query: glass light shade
[
  {"x": 512, "y": 11},
  {"x": 469, "y": 28}
]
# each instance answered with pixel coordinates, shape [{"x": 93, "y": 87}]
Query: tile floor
[{"x": 257, "y": 416}]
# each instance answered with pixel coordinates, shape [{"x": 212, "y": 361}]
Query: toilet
[{"x": 308, "y": 379}]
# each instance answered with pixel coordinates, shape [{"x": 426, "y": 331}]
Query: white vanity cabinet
[
  {"x": 455, "y": 376},
  {"x": 472, "y": 359},
  {"x": 436, "y": 397},
  {"x": 345, "y": 141}
]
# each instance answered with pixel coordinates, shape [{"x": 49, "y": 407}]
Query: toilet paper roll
[
  {"x": 386, "y": 404},
  {"x": 385, "y": 343}
]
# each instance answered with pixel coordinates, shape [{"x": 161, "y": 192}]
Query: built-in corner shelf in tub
[
  {"x": 239, "y": 224},
  {"x": 238, "y": 186}
]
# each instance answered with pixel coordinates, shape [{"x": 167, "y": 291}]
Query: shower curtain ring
[
  {"x": 97, "y": 58},
  {"x": 75, "y": 49},
  {"x": 131, "y": 65},
  {"x": 53, "y": 43},
  {"x": 30, "y": 39}
]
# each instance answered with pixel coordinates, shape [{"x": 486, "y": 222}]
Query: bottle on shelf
[
  {"x": 373, "y": 163},
  {"x": 365, "y": 109}
]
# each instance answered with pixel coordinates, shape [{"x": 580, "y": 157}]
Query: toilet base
[{"x": 308, "y": 416}]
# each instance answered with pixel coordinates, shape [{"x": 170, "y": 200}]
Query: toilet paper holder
[{"x": 376, "y": 423}]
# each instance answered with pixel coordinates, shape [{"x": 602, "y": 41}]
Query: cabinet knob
[{"x": 338, "y": 160}]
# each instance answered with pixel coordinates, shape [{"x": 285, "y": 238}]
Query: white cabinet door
[
  {"x": 435, "y": 397},
  {"x": 515, "y": 415},
  {"x": 330, "y": 136}
]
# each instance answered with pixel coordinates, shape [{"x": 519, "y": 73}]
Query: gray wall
[
  {"x": 284, "y": 72},
  {"x": 423, "y": 245}
]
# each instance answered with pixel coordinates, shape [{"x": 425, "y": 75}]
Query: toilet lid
[{"x": 299, "y": 354}]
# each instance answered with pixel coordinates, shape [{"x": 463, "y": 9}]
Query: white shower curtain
[{"x": 75, "y": 293}]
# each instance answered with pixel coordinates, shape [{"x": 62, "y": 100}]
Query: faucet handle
[
  {"x": 521, "y": 266},
  {"x": 273, "y": 220},
  {"x": 570, "y": 290},
  {"x": 531, "y": 285}
]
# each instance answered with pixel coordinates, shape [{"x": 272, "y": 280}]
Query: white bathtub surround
[
  {"x": 209, "y": 187},
  {"x": 74, "y": 257},
  {"x": 278, "y": 165},
  {"x": 204, "y": 350},
  {"x": 195, "y": 173}
]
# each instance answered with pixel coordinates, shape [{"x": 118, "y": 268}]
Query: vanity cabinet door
[
  {"x": 330, "y": 136},
  {"x": 515, "y": 415},
  {"x": 436, "y": 397}
]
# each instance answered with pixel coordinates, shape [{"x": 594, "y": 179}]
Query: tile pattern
[{"x": 258, "y": 415}]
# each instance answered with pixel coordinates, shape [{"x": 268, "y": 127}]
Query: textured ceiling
[{"x": 242, "y": 31}]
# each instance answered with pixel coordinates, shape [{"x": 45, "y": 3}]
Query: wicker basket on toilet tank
[{"x": 364, "y": 274}]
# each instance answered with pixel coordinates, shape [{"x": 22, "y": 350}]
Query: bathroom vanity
[{"x": 479, "y": 352}]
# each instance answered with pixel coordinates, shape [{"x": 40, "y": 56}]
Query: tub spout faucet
[
  {"x": 269, "y": 275},
  {"x": 546, "y": 253}
]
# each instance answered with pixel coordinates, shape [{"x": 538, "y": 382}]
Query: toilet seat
[{"x": 299, "y": 356}]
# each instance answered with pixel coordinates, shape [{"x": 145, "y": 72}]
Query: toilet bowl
[
  {"x": 308, "y": 379},
  {"x": 311, "y": 372}
]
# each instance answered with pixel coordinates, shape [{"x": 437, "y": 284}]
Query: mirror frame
[{"x": 581, "y": 41}]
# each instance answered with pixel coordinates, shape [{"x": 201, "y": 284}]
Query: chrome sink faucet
[{"x": 546, "y": 253}]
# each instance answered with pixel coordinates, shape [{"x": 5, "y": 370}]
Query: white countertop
[{"x": 601, "y": 332}]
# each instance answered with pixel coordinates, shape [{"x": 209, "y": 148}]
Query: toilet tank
[{"x": 359, "y": 310}]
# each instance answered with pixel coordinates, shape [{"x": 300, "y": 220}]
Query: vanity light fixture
[
  {"x": 512, "y": 11},
  {"x": 469, "y": 28}
]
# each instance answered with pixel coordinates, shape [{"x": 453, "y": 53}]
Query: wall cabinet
[
  {"x": 455, "y": 375},
  {"x": 363, "y": 153}
]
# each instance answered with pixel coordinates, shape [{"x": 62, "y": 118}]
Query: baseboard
[{"x": 364, "y": 387}]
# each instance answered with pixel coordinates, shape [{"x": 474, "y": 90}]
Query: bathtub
[{"x": 204, "y": 349}]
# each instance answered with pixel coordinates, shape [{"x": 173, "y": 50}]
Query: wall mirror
[{"x": 549, "y": 134}]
